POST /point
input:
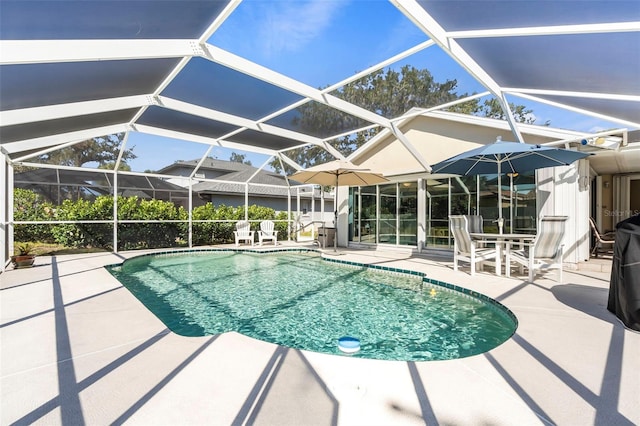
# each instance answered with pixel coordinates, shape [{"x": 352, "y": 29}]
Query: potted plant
[{"x": 24, "y": 256}]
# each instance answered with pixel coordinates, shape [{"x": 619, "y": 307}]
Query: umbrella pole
[
  {"x": 335, "y": 216},
  {"x": 500, "y": 219}
]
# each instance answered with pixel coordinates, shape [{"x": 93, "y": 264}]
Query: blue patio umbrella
[{"x": 506, "y": 157}]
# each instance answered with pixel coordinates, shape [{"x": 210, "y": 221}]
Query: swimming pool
[{"x": 299, "y": 300}]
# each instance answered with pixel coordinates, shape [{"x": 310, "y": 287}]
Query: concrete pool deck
[{"x": 78, "y": 348}]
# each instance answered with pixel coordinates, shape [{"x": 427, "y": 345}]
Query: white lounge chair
[
  {"x": 267, "y": 232},
  {"x": 465, "y": 248},
  {"x": 545, "y": 252},
  {"x": 243, "y": 232}
]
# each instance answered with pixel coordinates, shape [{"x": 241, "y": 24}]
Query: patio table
[{"x": 501, "y": 240}]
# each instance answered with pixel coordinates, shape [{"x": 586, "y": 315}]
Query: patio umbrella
[
  {"x": 337, "y": 173},
  {"x": 506, "y": 157}
]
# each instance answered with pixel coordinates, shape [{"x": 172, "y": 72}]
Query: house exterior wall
[
  {"x": 561, "y": 191},
  {"x": 435, "y": 140},
  {"x": 634, "y": 202},
  {"x": 606, "y": 206},
  {"x": 6, "y": 209}
]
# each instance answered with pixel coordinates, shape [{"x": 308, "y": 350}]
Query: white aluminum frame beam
[
  {"x": 199, "y": 139},
  {"x": 244, "y": 66},
  {"x": 222, "y": 16},
  {"x": 44, "y": 51},
  {"x": 578, "y": 110},
  {"x": 573, "y": 94},
  {"x": 421, "y": 111},
  {"x": 616, "y": 27},
  {"x": 409, "y": 146},
  {"x": 235, "y": 120},
  {"x": 431, "y": 27},
  {"x": 51, "y": 112},
  {"x": 62, "y": 138}
]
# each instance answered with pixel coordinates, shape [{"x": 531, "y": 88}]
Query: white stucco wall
[
  {"x": 435, "y": 140},
  {"x": 560, "y": 192}
]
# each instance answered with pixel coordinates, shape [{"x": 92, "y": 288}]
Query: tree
[
  {"x": 239, "y": 158},
  {"x": 102, "y": 150},
  {"x": 492, "y": 109},
  {"x": 124, "y": 167},
  {"x": 388, "y": 93}
]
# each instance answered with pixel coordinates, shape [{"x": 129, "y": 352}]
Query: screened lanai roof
[{"x": 196, "y": 71}]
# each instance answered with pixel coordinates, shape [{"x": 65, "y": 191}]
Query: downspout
[
  {"x": 115, "y": 211},
  {"x": 6, "y": 246},
  {"x": 246, "y": 201},
  {"x": 190, "y": 212}
]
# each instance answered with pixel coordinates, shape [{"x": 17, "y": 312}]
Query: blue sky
[{"x": 319, "y": 43}]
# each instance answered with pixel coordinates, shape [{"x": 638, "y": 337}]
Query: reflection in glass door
[
  {"x": 408, "y": 213},
  {"x": 388, "y": 214},
  {"x": 368, "y": 214},
  {"x": 488, "y": 201},
  {"x": 437, "y": 212},
  {"x": 522, "y": 203}
]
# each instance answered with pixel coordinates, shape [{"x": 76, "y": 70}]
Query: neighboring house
[{"x": 229, "y": 183}]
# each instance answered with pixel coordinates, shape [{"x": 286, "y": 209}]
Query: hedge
[{"x": 168, "y": 233}]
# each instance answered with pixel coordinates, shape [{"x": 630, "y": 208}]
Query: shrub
[
  {"x": 149, "y": 235},
  {"x": 130, "y": 235},
  {"x": 222, "y": 232},
  {"x": 85, "y": 235},
  {"x": 281, "y": 225},
  {"x": 30, "y": 206}
]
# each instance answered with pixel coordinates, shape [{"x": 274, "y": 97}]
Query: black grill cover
[{"x": 624, "y": 287}]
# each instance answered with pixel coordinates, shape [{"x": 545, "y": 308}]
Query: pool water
[{"x": 301, "y": 301}]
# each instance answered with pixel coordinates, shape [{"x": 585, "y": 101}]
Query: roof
[
  {"x": 101, "y": 183},
  {"x": 209, "y": 164},
  {"x": 72, "y": 70},
  {"x": 255, "y": 190},
  {"x": 234, "y": 175}
]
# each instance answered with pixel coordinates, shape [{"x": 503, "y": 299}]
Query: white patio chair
[
  {"x": 267, "y": 232},
  {"x": 544, "y": 252},
  {"x": 476, "y": 223},
  {"x": 243, "y": 232},
  {"x": 465, "y": 248}
]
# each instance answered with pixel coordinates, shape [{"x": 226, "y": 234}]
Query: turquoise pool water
[{"x": 301, "y": 301}]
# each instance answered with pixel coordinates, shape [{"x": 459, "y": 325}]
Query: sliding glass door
[{"x": 387, "y": 214}]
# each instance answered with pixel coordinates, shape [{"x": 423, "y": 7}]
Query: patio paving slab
[{"x": 77, "y": 347}]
